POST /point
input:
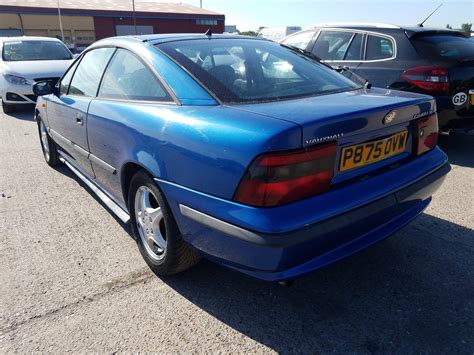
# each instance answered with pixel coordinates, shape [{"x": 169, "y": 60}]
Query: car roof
[
  {"x": 353, "y": 25},
  {"x": 172, "y": 37},
  {"x": 410, "y": 30},
  {"x": 28, "y": 38}
]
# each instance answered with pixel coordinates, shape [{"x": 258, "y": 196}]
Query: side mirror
[{"x": 42, "y": 88}]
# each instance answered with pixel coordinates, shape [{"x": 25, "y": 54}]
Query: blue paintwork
[
  {"x": 62, "y": 118},
  {"x": 198, "y": 150},
  {"x": 274, "y": 263}
]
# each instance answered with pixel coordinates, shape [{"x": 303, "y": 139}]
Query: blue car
[{"x": 240, "y": 150}]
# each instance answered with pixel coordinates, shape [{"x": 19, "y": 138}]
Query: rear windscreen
[
  {"x": 444, "y": 46},
  {"x": 248, "y": 70}
]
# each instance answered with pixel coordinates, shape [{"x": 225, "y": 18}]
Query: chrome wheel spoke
[
  {"x": 155, "y": 215},
  {"x": 159, "y": 241},
  {"x": 144, "y": 200},
  {"x": 151, "y": 242}
]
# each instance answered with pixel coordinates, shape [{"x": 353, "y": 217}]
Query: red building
[{"x": 84, "y": 22}]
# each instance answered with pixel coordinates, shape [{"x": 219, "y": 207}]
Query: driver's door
[{"x": 67, "y": 112}]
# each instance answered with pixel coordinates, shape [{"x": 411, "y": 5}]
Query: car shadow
[
  {"x": 63, "y": 169},
  {"x": 410, "y": 293},
  {"x": 459, "y": 148},
  {"x": 22, "y": 112}
]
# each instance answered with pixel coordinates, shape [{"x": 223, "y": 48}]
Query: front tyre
[
  {"x": 48, "y": 146},
  {"x": 155, "y": 230}
]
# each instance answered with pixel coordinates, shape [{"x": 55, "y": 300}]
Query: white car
[
  {"x": 26, "y": 60},
  {"x": 276, "y": 34}
]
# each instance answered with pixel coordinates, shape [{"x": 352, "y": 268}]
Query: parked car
[
  {"x": 417, "y": 59},
  {"x": 26, "y": 60},
  {"x": 277, "y": 33},
  {"x": 269, "y": 163}
]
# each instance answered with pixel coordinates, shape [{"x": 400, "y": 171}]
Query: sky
[{"x": 251, "y": 14}]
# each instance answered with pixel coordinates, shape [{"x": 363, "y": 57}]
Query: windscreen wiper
[{"x": 341, "y": 68}]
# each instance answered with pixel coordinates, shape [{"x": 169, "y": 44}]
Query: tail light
[
  {"x": 428, "y": 78},
  {"x": 425, "y": 134},
  {"x": 278, "y": 178}
]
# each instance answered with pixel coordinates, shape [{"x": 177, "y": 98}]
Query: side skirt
[{"x": 114, "y": 207}]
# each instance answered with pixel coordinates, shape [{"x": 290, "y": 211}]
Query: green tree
[
  {"x": 448, "y": 26},
  {"x": 466, "y": 27},
  {"x": 249, "y": 33}
]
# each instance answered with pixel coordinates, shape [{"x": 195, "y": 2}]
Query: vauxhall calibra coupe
[{"x": 241, "y": 150}]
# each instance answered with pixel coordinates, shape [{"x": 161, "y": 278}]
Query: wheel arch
[{"x": 128, "y": 170}]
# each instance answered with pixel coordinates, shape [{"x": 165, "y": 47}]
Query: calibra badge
[{"x": 389, "y": 117}]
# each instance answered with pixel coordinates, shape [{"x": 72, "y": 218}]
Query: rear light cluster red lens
[
  {"x": 428, "y": 78},
  {"x": 278, "y": 178},
  {"x": 425, "y": 134}
]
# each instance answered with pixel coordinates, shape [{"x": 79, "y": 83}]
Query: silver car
[{"x": 26, "y": 60}]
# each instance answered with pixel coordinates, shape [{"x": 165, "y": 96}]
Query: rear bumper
[
  {"x": 452, "y": 117},
  {"x": 419, "y": 191},
  {"x": 278, "y": 253}
]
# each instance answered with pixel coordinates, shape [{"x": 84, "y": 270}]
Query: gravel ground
[{"x": 72, "y": 278}]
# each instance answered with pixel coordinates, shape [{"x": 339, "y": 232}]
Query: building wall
[
  {"x": 80, "y": 31},
  {"x": 77, "y": 29},
  {"x": 105, "y": 26}
]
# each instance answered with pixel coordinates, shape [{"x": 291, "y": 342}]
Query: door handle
[{"x": 80, "y": 119}]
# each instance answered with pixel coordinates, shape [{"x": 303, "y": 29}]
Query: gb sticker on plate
[{"x": 459, "y": 99}]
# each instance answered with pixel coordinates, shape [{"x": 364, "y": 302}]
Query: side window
[
  {"x": 354, "y": 50},
  {"x": 85, "y": 81},
  {"x": 127, "y": 78},
  {"x": 332, "y": 45},
  {"x": 379, "y": 48},
  {"x": 64, "y": 85},
  {"x": 299, "y": 40}
]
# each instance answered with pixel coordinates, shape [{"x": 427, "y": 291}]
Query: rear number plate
[{"x": 367, "y": 153}]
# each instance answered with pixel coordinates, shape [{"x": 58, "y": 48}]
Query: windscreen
[
  {"x": 241, "y": 70},
  {"x": 16, "y": 51},
  {"x": 444, "y": 46}
]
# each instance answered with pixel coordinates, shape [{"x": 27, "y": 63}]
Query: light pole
[
  {"x": 134, "y": 18},
  {"x": 200, "y": 3},
  {"x": 60, "y": 22}
]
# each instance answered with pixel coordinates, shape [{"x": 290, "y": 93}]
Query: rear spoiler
[{"x": 412, "y": 33}]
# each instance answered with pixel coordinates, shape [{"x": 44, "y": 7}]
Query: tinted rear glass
[
  {"x": 239, "y": 70},
  {"x": 444, "y": 46},
  {"x": 34, "y": 50}
]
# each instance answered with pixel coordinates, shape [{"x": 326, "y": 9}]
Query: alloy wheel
[
  {"x": 44, "y": 140},
  {"x": 150, "y": 223}
]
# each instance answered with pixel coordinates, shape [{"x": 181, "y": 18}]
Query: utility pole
[
  {"x": 134, "y": 18},
  {"x": 200, "y": 2},
  {"x": 60, "y": 22}
]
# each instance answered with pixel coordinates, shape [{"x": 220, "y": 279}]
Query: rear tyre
[
  {"x": 155, "y": 230},
  {"x": 48, "y": 146},
  {"x": 7, "y": 108}
]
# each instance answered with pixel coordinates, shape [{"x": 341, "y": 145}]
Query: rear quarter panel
[{"x": 204, "y": 148}]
